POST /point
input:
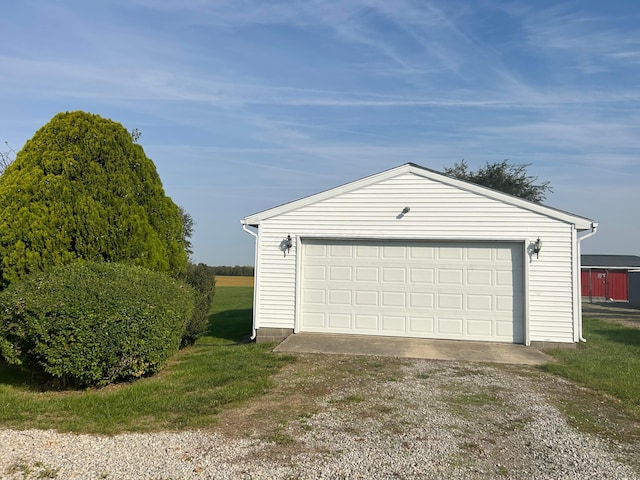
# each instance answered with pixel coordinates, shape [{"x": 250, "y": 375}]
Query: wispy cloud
[
  {"x": 578, "y": 38},
  {"x": 283, "y": 98}
]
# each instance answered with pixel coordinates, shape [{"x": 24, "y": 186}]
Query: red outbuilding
[{"x": 606, "y": 277}]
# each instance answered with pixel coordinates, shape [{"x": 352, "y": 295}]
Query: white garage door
[{"x": 446, "y": 290}]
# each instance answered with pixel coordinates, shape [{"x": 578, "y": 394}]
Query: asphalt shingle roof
[{"x": 610, "y": 261}]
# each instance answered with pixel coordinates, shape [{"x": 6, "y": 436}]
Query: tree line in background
[{"x": 228, "y": 271}]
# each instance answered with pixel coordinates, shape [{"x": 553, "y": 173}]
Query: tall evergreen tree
[{"x": 81, "y": 188}]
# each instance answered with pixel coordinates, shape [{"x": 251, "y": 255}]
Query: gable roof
[
  {"x": 582, "y": 223},
  {"x": 610, "y": 261}
]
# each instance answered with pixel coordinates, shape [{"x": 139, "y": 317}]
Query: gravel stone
[{"x": 439, "y": 420}]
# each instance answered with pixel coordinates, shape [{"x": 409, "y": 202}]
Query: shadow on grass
[
  {"x": 18, "y": 376},
  {"x": 631, "y": 309},
  {"x": 626, "y": 336},
  {"x": 232, "y": 325}
]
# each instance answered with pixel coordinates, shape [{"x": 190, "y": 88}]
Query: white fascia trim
[
  {"x": 580, "y": 222},
  {"x": 256, "y": 218}
]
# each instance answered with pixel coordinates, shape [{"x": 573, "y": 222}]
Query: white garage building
[{"x": 410, "y": 252}]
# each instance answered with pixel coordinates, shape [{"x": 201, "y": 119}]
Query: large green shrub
[
  {"x": 90, "y": 323},
  {"x": 82, "y": 188},
  {"x": 202, "y": 279}
]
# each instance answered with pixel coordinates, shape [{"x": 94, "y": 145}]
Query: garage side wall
[{"x": 437, "y": 212}]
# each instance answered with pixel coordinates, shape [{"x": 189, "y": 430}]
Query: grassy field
[
  {"x": 188, "y": 393},
  {"x": 230, "y": 320},
  {"x": 608, "y": 362},
  {"x": 229, "y": 281}
]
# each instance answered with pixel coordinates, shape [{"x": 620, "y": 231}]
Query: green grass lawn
[
  {"x": 188, "y": 393},
  {"x": 609, "y": 362},
  {"x": 202, "y": 380}
]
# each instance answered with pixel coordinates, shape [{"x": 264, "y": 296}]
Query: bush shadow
[
  {"x": 232, "y": 325},
  {"x": 21, "y": 377}
]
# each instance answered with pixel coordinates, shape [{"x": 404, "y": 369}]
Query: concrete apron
[{"x": 413, "y": 348}]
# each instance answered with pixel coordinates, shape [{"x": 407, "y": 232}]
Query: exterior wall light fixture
[
  {"x": 537, "y": 246},
  {"x": 288, "y": 243},
  {"x": 405, "y": 210}
]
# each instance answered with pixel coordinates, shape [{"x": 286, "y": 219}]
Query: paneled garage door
[{"x": 447, "y": 290}]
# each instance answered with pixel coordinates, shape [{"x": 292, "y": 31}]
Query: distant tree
[
  {"x": 203, "y": 280},
  {"x": 6, "y": 158},
  {"x": 82, "y": 189},
  {"x": 187, "y": 230},
  {"x": 135, "y": 135},
  {"x": 505, "y": 177}
]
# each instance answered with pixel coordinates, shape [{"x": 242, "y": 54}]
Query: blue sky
[{"x": 244, "y": 105}]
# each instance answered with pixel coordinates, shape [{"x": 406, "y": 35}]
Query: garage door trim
[{"x": 519, "y": 243}]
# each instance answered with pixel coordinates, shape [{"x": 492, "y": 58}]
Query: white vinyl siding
[{"x": 438, "y": 211}]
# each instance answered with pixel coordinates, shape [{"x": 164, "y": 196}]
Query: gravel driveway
[{"x": 379, "y": 419}]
